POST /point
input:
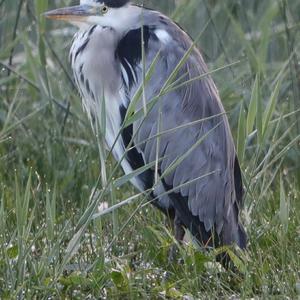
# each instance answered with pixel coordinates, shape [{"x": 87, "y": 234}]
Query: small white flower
[{"x": 102, "y": 206}]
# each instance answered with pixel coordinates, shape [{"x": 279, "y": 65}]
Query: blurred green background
[{"x": 49, "y": 163}]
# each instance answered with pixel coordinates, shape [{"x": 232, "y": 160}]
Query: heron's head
[{"x": 117, "y": 14}]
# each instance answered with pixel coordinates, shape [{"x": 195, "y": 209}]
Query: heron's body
[{"x": 184, "y": 134}]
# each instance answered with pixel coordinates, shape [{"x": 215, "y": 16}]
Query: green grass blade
[
  {"x": 241, "y": 137},
  {"x": 252, "y": 110}
]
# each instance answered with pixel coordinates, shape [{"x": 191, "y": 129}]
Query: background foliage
[{"x": 49, "y": 163}]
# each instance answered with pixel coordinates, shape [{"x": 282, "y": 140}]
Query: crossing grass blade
[{"x": 268, "y": 114}]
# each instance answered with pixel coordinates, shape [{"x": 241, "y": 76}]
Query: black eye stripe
[{"x": 113, "y": 3}]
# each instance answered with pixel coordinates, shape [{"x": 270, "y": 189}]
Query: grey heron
[{"x": 185, "y": 131}]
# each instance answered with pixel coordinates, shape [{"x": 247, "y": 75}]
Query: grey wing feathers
[{"x": 204, "y": 175}]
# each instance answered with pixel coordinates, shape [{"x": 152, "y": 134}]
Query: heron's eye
[{"x": 104, "y": 9}]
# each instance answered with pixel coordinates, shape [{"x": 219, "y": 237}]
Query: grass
[{"x": 52, "y": 245}]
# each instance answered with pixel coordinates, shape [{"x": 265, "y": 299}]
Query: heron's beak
[{"x": 73, "y": 13}]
